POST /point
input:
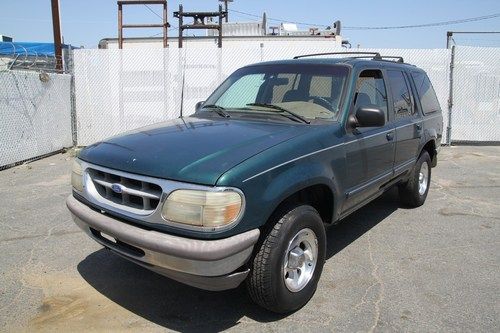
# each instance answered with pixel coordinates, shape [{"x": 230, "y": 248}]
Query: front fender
[
  {"x": 274, "y": 187},
  {"x": 297, "y": 178}
]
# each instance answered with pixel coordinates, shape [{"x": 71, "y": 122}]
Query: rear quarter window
[
  {"x": 401, "y": 95},
  {"x": 426, "y": 93}
]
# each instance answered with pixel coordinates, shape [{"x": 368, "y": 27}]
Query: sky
[{"x": 85, "y": 22}]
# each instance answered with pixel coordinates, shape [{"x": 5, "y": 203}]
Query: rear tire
[
  {"x": 414, "y": 192},
  {"x": 288, "y": 264}
]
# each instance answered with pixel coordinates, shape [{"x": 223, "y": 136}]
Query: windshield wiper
[
  {"x": 279, "y": 108},
  {"x": 217, "y": 109}
]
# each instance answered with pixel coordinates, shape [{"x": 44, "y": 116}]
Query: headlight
[
  {"x": 202, "y": 208},
  {"x": 77, "y": 175}
]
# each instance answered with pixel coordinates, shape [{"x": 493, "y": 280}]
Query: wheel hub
[
  {"x": 300, "y": 260},
  {"x": 296, "y": 258},
  {"x": 423, "y": 180}
]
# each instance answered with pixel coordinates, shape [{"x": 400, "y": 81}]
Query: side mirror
[
  {"x": 368, "y": 116},
  {"x": 198, "y": 106}
]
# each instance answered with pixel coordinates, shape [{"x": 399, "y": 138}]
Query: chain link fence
[
  {"x": 119, "y": 90},
  {"x": 476, "y": 95},
  {"x": 35, "y": 111},
  {"x": 112, "y": 91}
]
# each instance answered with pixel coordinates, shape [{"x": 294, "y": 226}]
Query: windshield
[{"x": 310, "y": 91}]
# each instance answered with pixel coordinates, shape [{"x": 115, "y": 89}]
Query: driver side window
[{"x": 371, "y": 91}]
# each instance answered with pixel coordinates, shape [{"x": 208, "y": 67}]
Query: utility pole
[
  {"x": 56, "y": 24},
  {"x": 225, "y": 7}
]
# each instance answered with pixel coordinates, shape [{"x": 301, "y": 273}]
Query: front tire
[
  {"x": 414, "y": 192},
  {"x": 288, "y": 264}
]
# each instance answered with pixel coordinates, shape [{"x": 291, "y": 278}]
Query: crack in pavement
[
  {"x": 57, "y": 233},
  {"x": 24, "y": 269},
  {"x": 445, "y": 211},
  {"x": 379, "y": 281}
]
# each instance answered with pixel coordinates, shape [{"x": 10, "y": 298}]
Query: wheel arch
[{"x": 430, "y": 148}]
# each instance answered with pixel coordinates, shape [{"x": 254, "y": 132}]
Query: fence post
[
  {"x": 450, "y": 96},
  {"x": 74, "y": 124}
]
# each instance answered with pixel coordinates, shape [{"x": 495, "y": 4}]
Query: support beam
[
  {"x": 200, "y": 22},
  {"x": 449, "y": 35},
  {"x": 164, "y": 25},
  {"x": 120, "y": 26},
  {"x": 226, "y": 8}
]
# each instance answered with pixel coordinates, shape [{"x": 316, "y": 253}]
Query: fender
[
  {"x": 430, "y": 137},
  {"x": 430, "y": 134},
  {"x": 298, "y": 177}
]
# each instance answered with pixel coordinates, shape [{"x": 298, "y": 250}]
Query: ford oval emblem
[{"x": 117, "y": 188}]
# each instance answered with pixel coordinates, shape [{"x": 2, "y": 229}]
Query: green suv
[{"x": 243, "y": 189}]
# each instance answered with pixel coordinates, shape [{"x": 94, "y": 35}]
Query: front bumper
[{"x": 205, "y": 264}]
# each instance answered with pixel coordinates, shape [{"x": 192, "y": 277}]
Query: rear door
[{"x": 407, "y": 121}]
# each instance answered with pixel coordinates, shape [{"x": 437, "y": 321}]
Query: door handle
[
  {"x": 390, "y": 136},
  {"x": 419, "y": 130}
]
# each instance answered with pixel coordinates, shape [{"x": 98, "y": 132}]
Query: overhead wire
[
  {"x": 152, "y": 11},
  {"x": 424, "y": 25},
  {"x": 276, "y": 19},
  {"x": 160, "y": 33}
]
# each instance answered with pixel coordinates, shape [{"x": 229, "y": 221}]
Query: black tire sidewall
[
  {"x": 297, "y": 219},
  {"x": 420, "y": 199}
]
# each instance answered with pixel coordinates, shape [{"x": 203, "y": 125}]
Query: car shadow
[
  {"x": 179, "y": 307},
  {"x": 361, "y": 221}
]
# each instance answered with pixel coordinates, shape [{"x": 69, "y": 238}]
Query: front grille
[{"x": 126, "y": 191}]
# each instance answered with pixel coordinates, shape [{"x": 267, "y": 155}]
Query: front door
[{"x": 369, "y": 150}]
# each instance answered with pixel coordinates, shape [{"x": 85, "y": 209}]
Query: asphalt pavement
[{"x": 434, "y": 268}]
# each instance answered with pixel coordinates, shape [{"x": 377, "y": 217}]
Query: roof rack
[
  {"x": 382, "y": 58},
  {"x": 373, "y": 55},
  {"x": 399, "y": 59}
]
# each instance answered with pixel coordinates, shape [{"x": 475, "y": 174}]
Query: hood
[{"x": 191, "y": 149}]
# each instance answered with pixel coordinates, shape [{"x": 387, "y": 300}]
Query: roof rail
[
  {"x": 382, "y": 58},
  {"x": 399, "y": 59},
  {"x": 375, "y": 55}
]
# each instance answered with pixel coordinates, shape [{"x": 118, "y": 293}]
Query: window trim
[
  {"x": 408, "y": 86},
  {"x": 410, "y": 74},
  {"x": 352, "y": 111}
]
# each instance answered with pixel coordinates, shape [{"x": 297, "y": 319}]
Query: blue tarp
[{"x": 28, "y": 48}]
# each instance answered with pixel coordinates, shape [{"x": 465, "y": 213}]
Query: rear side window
[
  {"x": 426, "y": 93},
  {"x": 403, "y": 106}
]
